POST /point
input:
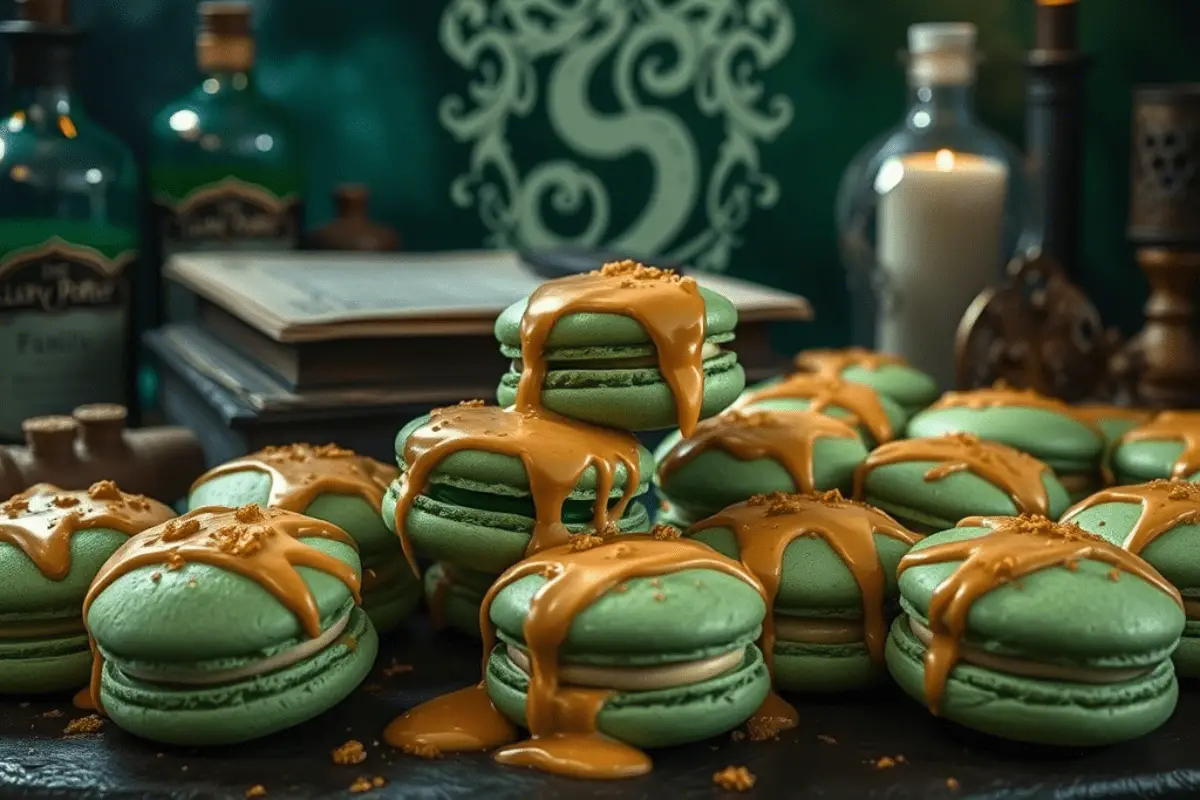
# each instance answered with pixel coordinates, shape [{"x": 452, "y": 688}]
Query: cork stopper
[
  {"x": 942, "y": 54},
  {"x": 225, "y": 42},
  {"x": 102, "y": 425},
  {"x": 351, "y": 200},
  {"x": 51, "y": 13},
  {"x": 50, "y": 438}
]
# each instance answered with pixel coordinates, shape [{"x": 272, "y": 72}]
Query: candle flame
[
  {"x": 944, "y": 160},
  {"x": 1057, "y": 2}
]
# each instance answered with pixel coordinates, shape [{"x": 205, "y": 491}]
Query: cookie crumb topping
[{"x": 735, "y": 779}]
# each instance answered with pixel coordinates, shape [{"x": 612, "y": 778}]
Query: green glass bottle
[
  {"x": 68, "y": 233},
  {"x": 226, "y": 169}
]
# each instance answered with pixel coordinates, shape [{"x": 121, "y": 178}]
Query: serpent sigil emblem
[{"x": 597, "y": 96}]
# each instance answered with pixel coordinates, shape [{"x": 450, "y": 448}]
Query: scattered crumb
[
  {"x": 89, "y": 724},
  {"x": 156, "y": 576},
  {"x": 761, "y": 729},
  {"x": 184, "y": 768},
  {"x": 585, "y": 541},
  {"x": 1072, "y": 565},
  {"x": 257, "y": 790},
  {"x": 375, "y": 743},
  {"x": 666, "y": 533},
  {"x": 1113, "y": 574},
  {"x": 735, "y": 779},
  {"x": 360, "y": 785},
  {"x": 900, "y": 759},
  {"x": 952, "y": 784},
  {"x": 191, "y": 583},
  {"x": 53, "y": 713},
  {"x": 659, "y": 596},
  {"x": 395, "y": 668},
  {"x": 655, "y": 582},
  {"x": 887, "y": 762},
  {"x": 1099, "y": 524},
  {"x": 621, "y": 588},
  {"x": 174, "y": 561},
  {"x": 378, "y": 781},
  {"x": 737, "y": 736},
  {"x": 825, "y": 738},
  {"x": 422, "y": 750},
  {"x": 352, "y": 752}
]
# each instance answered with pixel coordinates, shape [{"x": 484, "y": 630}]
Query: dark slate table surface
[{"x": 835, "y": 752}]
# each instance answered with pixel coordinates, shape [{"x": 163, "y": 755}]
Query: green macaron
[
  {"x": 891, "y": 376},
  {"x": 601, "y": 368},
  {"x": 454, "y": 595},
  {"x": 715, "y": 477},
  {"x": 1045, "y": 429},
  {"x": 820, "y": 627},
  {"x": 884, "y": 409},
  {"x": 197, "y": 653},
  {"x": 1160, "y": 448},
  {"x": 677, "y": 649},
  {"x": 44, "y": 645},
  {"x": 390, "y": 591},
  {"x": 1168, "y": 539},
  {"x": 931, "y": 484},
  {"x": 1074, "y": 653},
  {"x": 1113, "y": 421}
]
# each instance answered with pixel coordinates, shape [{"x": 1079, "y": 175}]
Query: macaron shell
[
  {"x": 822, "y": 668},
  {"x": 29, "y": 593},
  {"x": 715, "y": 478},
  {"x": 201, "y": 612},
  {"x": 1187, "y": 656},
  {"x": 901, "y": 490},
  {"x": 659, "y": 718},
  {"x": 391, "y": 603},
  {"x": 1175, "y": 553},
  {"x": 588, "y": 329},
  {"x": 1129, "y": 622},
  {"x": 351, "y": 513},
  {"x": 910, "y": 388},
  {"x": 41, "y": 666},
  {"x": 1038, "y": 711},
  {"x": 482, "y": 540},
  {"x": 814, "y": 580},
  {"x": 247, "y": 710},
  {"x": 1063, "y": 442},
  {"x": 1138, "y": 462},
  {"x": 894, "y": 413},
  {"x": 679, "y": 616},
  {"x": 460, "y": 603},
  {"x": 629, "y": 399}
]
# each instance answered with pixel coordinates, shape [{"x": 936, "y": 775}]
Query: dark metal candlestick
[{"x": 1054, "y": 121}]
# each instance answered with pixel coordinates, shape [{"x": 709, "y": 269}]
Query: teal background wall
[{"x": 789, "y": 90}]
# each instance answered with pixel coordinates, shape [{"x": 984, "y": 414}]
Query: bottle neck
[
  {"x": 941, "y": 105},
  {"x": 43, "y": 102}
]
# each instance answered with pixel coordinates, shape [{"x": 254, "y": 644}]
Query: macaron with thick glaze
[
  {"x": 52, "y": 544},
  {"x": 1044, "y": 427},
  {"x": 878, "y": 418},
  {"x": 665, "y": 627},
  {"x": 226, "y": 625},
  {"x": 1166, "y": 446},
  {"x": 480, "y": 487},
  {"x": 890, "y": 375},
  {"x": 749, "y": 451},
  {"x": 930, "y": 484},
  {"x": 629, "y": 347},
  {"x": 1113, "y": 421},
  {"x": 1159, "y": 521},
  {"x": 829, "y": 569},
  {"x": 1036, "y": 631},
  {"x": 338, "y": 486}
]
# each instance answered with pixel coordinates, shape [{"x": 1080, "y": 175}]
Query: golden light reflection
[
  {"x": 944, "y": 160},
  {"x": 67, "y": 127}
]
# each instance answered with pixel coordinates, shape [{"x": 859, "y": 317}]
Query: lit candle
[{"x": 939, "y": 228}]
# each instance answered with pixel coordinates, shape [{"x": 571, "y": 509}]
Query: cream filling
[
  {"x": 817, "y": 631},
  {"x": 1034, "y": 669},
  {"x": 287, "y": 658},
  {"x": 709, "y": 350},
  {"x": 638, "y": 679}
]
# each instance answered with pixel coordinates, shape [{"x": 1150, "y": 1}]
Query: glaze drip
[{"x": 823, "y": 391}]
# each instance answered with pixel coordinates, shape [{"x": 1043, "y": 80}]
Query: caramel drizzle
[
  {"x": 788, "y": 437},
  {"x": 262, "y": 544},
  {"x": 1165, "y": 505},
  {"x": 41, "y": 520},
  {"x": 562, "y": 720},
  {"x": 1017, "y": 473},
  {"x": 834, "y": 362},
  {"x": 766, "y": 524},
  {"x": 1015, "y": 547},
  {"x": 1181, "y": 426},
  {"x": 823, "y": 391},
  {"x": 1001, "y": 397},
  {"x": 301, "y": 472},
  {"x": 555, "y": 451},
  {"x": 1094, "y": 414},
  {"x": 669, "y": 308}
]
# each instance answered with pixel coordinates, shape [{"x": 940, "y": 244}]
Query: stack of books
[{"x": 345, "y": 347}]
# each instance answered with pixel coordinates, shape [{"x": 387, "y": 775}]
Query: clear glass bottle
[
  {"x": 226, "y": 166},
  {"x": 930, "y": 212},
  {"x": 68, "y": 233}
]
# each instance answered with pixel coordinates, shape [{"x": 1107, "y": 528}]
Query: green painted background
[{"x": 366, "y": 78}]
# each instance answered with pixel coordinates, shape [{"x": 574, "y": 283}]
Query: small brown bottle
[{"x": 352, "y": 228}]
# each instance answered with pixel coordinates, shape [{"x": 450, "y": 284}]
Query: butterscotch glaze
[
  {"x": 765, "y": 525},
  {"x": 1180, "y": 426},
  {"x": 1093, "y": 414},
  {"x": 1018, "y": 474},
  {"x": 556, "y": 452},
  {"x": 1000, "y": 397},
  {"x": 1165, "y": 505},
  {"x": 562, "y": 720},
  {"x": 668, "y": 306},
  {"x": 823, "y": 391},
  {"x": 261, "y": 544},
  {"x": 41, "y": 520},
  {"x": 301, "y": 472},
  {"x": 788, "y": 437},
  {"x": 833, "y": 362},
  {"x": 1014, "y": 548}
]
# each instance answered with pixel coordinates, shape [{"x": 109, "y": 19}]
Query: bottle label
[
  {"x": 63, "y": 329},
  {"x": 229, "y": 214}
]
